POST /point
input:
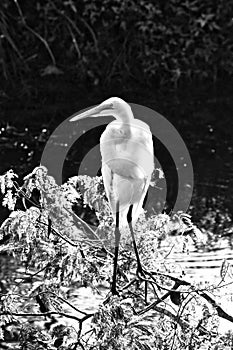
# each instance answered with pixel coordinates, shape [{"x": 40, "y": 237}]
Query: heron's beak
[{"x": 105, "y": 109}]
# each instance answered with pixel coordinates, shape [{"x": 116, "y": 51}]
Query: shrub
[
  {"x": 55, "y": 253},
  {"x": 111, "y": 41}
]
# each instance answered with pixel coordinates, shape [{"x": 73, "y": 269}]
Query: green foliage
[
  {"x": 113, "y": 40},
  {"x": 53, "y": 253}
]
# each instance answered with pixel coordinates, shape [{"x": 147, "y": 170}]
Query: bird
[{"x": 127, "y": 152}]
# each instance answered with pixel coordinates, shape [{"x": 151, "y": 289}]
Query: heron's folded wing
[{"x": 125, "y": 190}]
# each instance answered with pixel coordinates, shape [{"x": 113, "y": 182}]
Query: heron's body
[{"x": 127, "y": 164}]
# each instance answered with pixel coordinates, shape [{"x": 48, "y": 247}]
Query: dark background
[{"x": 176, "y": 57}]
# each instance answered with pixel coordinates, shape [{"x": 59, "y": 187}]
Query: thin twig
[
  {"x": 66, "y": 17},
  {"x": 19, "y": 314},
  {"x": 74, "y": 42},
  {"x": 91, "y": 31},
  {"x": 89, "y": 229},
  {"x": 179, "y": 314},
  {"x": 221, "y": 313},
  {"x": 60, "y": 235},
  {"x": 35, "y": 33},
  {"x": 24, "y": 195},
  {"x": 65, "y": 301},
  {"x": 81, "y": 323},
  {"x": 158, "y": 301}
]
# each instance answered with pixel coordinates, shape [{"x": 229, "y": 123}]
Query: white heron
[{"x": 126, "y": 148}]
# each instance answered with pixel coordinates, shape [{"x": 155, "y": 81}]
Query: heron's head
[{"x": 114, "y": 106}]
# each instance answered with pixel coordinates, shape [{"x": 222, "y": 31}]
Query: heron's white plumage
[
  {"x": 127, "y": 190},
  {"x": 127, "y": 156},
  {"x": 127, "y": 165}
]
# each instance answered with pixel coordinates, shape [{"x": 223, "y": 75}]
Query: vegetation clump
[{"x": 53, "y": 254}]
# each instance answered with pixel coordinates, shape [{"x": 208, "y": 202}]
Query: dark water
[{"x": 204, "y": 119}]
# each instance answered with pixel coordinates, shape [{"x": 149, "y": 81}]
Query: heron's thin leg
[
  {"x": 117, "y": 241},
  {"x": 146, "y": 291},
  {"x": 129, "y": 219}
]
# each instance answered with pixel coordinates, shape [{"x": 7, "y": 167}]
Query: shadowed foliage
[{"x": 121, "y": 40}]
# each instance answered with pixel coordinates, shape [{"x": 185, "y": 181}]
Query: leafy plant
[{"x": 53, "y": 253}]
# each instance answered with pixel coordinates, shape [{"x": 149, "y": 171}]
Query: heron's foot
[
  {"x": 114, "y": 291},
  {"x": 141, "y": 272}
]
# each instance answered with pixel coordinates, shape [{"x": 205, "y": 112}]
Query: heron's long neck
[{"x": 125, "y": 116}]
